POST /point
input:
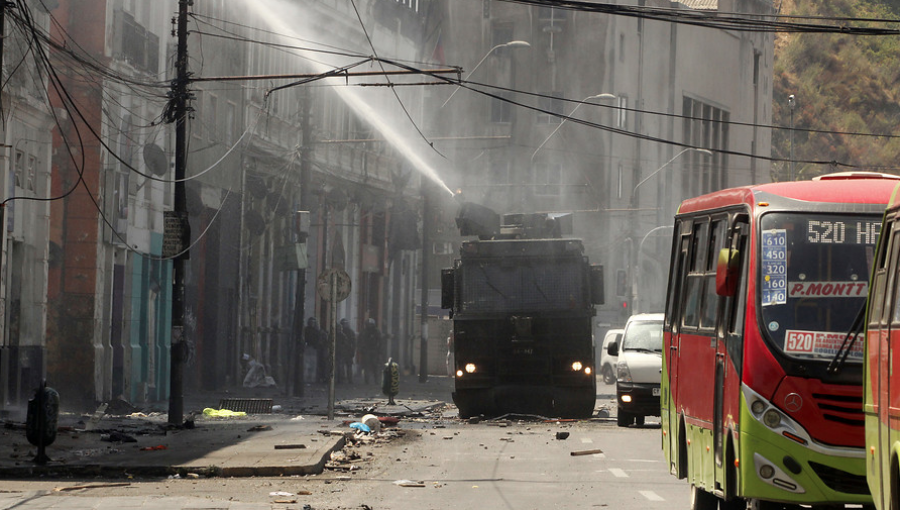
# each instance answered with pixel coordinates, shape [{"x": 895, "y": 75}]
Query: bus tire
[
  {"x": 733, "y": 504},
  {"x": 894, "y": 485},
  {"x": 702, "y": 500}
]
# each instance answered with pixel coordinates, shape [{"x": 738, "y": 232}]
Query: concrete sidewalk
[{"x": 296, "y": 440}]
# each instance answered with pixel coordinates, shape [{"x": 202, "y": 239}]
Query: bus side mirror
[
  {"x": 613, "y": 349},
  {"x": 727, "y": 272},
  {"x": 597, "y": 297},
  {"x": 447, "y": 288}
]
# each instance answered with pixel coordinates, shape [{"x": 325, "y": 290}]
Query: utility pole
[
  {"x": 305, "y": 177},
  {"x": 179, "y": 98},
  {"x": 426, "y": 242}
]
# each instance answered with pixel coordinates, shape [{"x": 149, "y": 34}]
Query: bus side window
[
  {"x": 676, "y": 276},
  {"x": 876, "y": 311},
  {"x": 710, "y": 298},
  {"x": 697, "y": 263}
]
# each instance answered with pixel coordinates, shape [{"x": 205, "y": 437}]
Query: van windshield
[{"x": 643, "y": 336}]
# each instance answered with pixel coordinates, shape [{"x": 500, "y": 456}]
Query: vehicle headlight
[
  {"x": 470, "y": 368},
  {"x": 459, "y": 373},
  {"x": 587, "y": 370},
  {"x": 577, "y": 366},
  {"x": 622, "y": 372},
  {"x": 772, "y": 419},
  {"x": 758, "y": 406}
]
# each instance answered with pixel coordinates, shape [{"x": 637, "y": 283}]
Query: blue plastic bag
[{"x": 360, "y": 426}]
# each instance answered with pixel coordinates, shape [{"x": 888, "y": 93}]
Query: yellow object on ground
[{"x": 222, "y": 413}]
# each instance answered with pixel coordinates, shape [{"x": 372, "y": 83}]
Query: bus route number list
[{"x": 774, "y": 267}]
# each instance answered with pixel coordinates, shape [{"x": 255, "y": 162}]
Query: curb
[{"x": 150, "y": 471}]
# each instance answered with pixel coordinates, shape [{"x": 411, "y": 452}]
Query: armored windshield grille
[{"x": 499, "y": 287}]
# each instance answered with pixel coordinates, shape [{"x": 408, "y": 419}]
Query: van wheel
[
  {"x": 608, "y": 376},
  {"x": 624, "y": 418}
]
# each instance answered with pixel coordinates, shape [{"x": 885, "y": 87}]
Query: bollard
[
  {"x": 41, "y": 420},
  {"x": 390, "y": 380}
]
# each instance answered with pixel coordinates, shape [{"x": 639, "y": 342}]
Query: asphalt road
[{"x": 446, "y": 464}]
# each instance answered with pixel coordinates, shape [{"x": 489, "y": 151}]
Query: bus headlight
[
  {"x": 577, "y": 366},
  {"x": 766, "y": 471},
  {"x": 772, "y": 419},
  {"x": 587, "y": 370},
  {"x": 459, "y": 373},
  {"x": 758, "y": 406},
  {"x": 470, "y": 368}
]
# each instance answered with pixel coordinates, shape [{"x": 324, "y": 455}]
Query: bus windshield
[
  {"x": 813, "y": 280},
  {"x": 523, "y": 285}
]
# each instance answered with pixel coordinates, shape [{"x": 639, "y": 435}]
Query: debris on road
[
  {"x": 585, "y": 452},
  {"x": 562, "y": 435},
  {"x": 222, "y": 413},
  {"x": 90, "y": 486},
  {"x": 409, "y": 483}
]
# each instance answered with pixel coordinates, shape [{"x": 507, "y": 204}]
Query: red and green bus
[
  {"x": 761, "y": 394},
  {"x": 881, "y": 387}
]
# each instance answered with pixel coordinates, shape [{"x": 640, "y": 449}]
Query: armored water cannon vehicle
[{"x": 521, "y": 298}]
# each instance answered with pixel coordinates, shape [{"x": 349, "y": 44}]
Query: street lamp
[
  {"x": 596, "y": 96},
  {"x": 510, "y": 44},
  {"x": 634, "y": 224},
  {"x": 634, "y": 191},
  {"x": 791, "y": 103}
]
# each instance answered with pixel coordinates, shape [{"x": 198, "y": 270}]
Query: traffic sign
[{"x": 341, "y": 283}]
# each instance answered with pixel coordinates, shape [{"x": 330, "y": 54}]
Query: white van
[
  {"x": 608, "y": 363},
  {"x": 638, "y": 368}
]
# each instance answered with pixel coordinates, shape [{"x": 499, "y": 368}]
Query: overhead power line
[{"x": 747, "y": 22}]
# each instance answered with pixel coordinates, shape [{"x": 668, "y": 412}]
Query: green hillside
[{"x": 843, "y": 84}]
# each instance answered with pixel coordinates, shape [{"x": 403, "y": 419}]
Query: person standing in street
[
  {"x": 318, "y": 340},
  {"x": 371, "y": 351},
  {"x": 346, "y": 350}
]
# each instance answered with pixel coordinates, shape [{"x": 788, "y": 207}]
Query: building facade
[{"x": 614, "y": 118}]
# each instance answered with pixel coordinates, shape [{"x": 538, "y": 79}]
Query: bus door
[
  {"x": 880, "y": 331},
  {"x": 679, "y": 267},
  {"x": 729, "y": 334}
]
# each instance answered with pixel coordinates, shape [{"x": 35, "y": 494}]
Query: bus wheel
[
  {"x": 894, "y": 485},
  {"x": 733, "y": 504},
  {"x": 624, "y": 418},
  {"x": 702, "y": 500}
]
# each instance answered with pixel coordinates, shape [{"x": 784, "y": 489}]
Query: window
[
  {"x": 622, "y": 111},
  {"x": 704, "y": 126},
  {"x": 551, "y": 102},
  {"x": 547, "y": 179},
  {"x": 710, "y": 298},
  {"x": 212, "y": 121},
  {"x": 29, "y": 173},
  {"x": 230, "y": 119},
  {"x": 696, "y": 267},
  {"x": 20, "y": 169}
]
